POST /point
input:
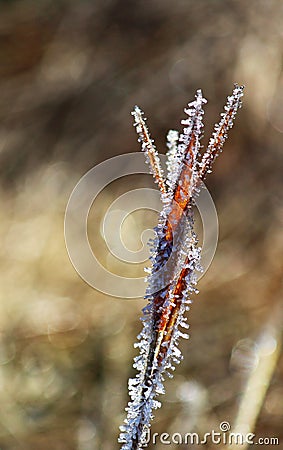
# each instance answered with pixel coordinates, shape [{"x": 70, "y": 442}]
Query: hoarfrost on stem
[{"x": 170, "y": 286}]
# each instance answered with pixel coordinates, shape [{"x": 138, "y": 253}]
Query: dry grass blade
[
  {"x": 169, "y": 299},
  {"x": 149, "y": 149}
]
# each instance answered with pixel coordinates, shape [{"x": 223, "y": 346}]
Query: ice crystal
[{"x": 175, "y": 258}]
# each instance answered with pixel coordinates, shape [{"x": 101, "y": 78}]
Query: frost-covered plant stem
[{"x": 175, "y": 258}]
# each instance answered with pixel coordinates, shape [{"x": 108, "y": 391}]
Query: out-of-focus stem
[{"x": 268, "y": 351}]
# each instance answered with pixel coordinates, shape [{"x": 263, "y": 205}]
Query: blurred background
[{"x": 70, "y": 74}]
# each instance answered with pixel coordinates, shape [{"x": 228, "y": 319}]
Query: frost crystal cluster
[{"x": 175, "y": 257}]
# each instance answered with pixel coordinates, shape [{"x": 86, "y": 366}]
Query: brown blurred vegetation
[{"x": 70, "y": 73}]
